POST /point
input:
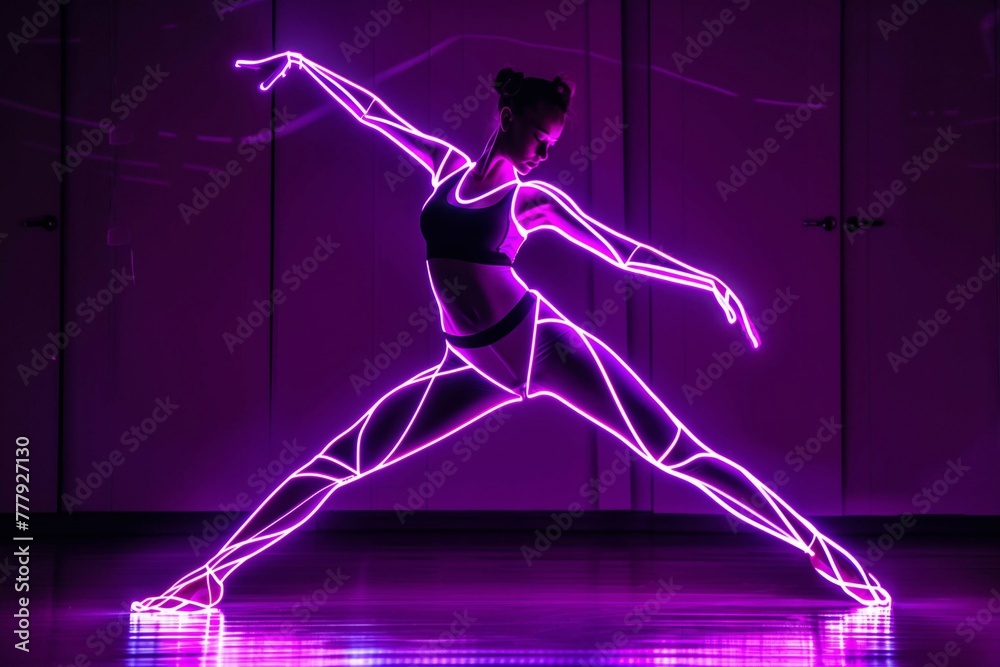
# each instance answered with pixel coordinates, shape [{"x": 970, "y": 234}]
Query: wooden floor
[{"x": 473, "y": 599}]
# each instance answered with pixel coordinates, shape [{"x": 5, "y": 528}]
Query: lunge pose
[{"x": 505, "y": 342}]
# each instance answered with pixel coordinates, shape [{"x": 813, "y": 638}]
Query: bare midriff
[{"x": 472, "y": 296}]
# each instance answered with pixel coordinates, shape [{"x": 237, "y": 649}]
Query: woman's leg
[
  {"x": 582, "y": 372},
  {"x": 426, "y": 408}
]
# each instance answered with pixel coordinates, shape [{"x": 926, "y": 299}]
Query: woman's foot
[
  {"x": 199, "y": 591},
  {"x": 838, "y": 567}
]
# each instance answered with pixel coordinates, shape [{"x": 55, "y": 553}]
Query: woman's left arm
[{"x": 539, "y": 205}]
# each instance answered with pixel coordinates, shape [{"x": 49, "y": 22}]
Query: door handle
[
  {"x": 827, "y": 223},
  {"x": 47, "y": 223}
]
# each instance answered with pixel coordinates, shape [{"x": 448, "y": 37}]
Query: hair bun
[
  {"x": 563, "y": 89},
  {"x": 519, "y": 92},
  {"x": 508, "y": 82}
]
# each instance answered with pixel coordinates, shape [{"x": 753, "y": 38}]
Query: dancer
[{"x": 505, "y": 342}]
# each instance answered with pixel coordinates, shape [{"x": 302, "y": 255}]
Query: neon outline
[{"x": 575, "y": 226}]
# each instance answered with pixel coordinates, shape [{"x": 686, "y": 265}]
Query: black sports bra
[{"x": 471, "y": 234}]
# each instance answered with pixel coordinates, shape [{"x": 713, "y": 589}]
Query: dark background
[{"x": 854, "y": 298}]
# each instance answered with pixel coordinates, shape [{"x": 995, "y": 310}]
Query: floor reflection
[
  {"x": 461, "y": 599},
  {"x": 861, "y": 636}
]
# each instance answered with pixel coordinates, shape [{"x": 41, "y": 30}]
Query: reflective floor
[{"x": 473, "y": 599}]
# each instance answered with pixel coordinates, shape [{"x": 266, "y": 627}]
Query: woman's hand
[
  {"x": 727, "y": 299},
  {"x": 281, "y": 62}
]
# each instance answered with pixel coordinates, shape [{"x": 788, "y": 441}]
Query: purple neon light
[{"x": 554, "y": 210}]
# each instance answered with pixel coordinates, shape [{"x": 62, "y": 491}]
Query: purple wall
[{"x": 834, "y": 304}]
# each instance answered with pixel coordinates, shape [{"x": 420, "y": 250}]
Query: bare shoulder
[
  {"x": 451, "y": 160},
  {"x": 534, "y": 197}
]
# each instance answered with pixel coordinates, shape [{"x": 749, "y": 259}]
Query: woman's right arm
[
  {"x": 437, "y": 156},
  {"x": 539, "y": 205}
]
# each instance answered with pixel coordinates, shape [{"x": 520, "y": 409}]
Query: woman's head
[{"x": 532, "y": 115}]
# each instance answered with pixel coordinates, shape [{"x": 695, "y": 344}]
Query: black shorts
[{"x": 501, "y": 328}]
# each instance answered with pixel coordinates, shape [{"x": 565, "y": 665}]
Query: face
[{"x": 526, "y": 139}]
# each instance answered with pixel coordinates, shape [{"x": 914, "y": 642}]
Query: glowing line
[
  {"x": 865, "y": 591},
  {"x": 458, "y": 188},
  {"x": 577, "y": 227},
  {"x": 184, "y": 605},
  {"x": 574, "y": 226},
  {"x": 413, "y": 418},
  {"x": 406, "y": 135}
]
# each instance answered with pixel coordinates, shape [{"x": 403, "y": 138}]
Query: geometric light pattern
[{"x": 411, "y": 416}]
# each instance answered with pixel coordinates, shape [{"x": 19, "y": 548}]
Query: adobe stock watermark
[
  {"x": 294, "y": 277},
  {"x": 635, "y": 620},
  {"x": 6, "y": 569},
  {"x": 797, "y": 457},
  {"x": 122, "y": 107},
  {"x": 131, "y": 440},
  {"x": 592, "y": 321},
  {"x": 581, "y": 158},
  {"x": 470, "y": 442},
  {"x": 421, "y": 320},
  {"x": 696, "y": 45},
  {"x": 101, "y": 639},
  {"x": 591, "y": 491},
  {"x": 456, "y": 630},
  {"x": 967, "y": 630},
  {"x": 562, "y": 12},
  {"x": 310, "y": 604},
  {"x": 249, "y": 148},
  {"x": 786, "y": 127},
  {"x": 87, "y": 310},
  {"x": 706, "y": 377},
  {"x": 31, "y": 25},
  {"x": 453, "y": 117},
  {"x": 223, "y": 7},
  {"x": 898, "y": 17},
  {"x": 925, "y": 330},
  {"x": 915, "y": 168},
  {"x": 598, "y": 317},
  {"x": 584, "y": 156},
  {"x": 364, "y": 34},
  {"x": 923, "y": 501},
  {"x": 259, "y": 481}
]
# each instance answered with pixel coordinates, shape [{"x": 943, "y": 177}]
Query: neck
[{"x": 492, "y": 168}]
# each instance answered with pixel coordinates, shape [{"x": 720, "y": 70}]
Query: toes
[
  {"x": 837, "y": 566},
  {"x": 170, "y": 604},
  {"x": 145, "y": 604}
]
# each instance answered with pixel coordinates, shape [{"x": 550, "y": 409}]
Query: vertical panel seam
[
  {"x": 60, "y": 394},
  {"x": 271, "y": 244},
  {"x": 841, "y": 62}
]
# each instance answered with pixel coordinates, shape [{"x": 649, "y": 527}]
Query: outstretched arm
[
  {"x": 436, "y": 155},
  {"x": 539, "y": 205}
]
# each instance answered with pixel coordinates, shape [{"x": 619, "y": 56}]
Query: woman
[{"x": 505, "y": 342}]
